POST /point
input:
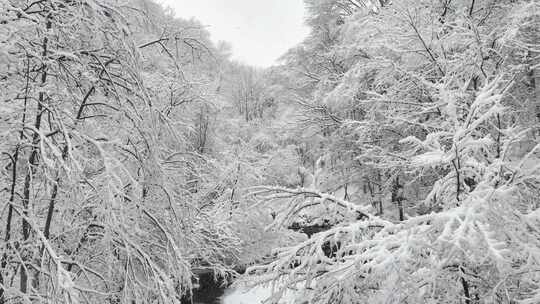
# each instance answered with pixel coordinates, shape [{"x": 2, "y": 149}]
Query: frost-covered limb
[
  {"x": 308, "y": 198},
  {"x": 368, "y": 249}
]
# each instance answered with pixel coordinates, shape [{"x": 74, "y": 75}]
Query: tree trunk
[
  {"x": 536, "y": 80},
  {"x": 33, "y": 160},
  {"x": 7, "y": 236},
  {"x": 14, "y": 162},
  {"x": 397, "y": 197}
]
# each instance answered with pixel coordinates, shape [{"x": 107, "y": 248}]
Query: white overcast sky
[{"x": 259, "y": 30}]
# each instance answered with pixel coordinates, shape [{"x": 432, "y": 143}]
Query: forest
[{"x": 393, "y": 156}]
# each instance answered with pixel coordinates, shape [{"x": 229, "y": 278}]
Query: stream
[
  {"x": 231, "y": 296},
  {"x": 211, "y": 292}
]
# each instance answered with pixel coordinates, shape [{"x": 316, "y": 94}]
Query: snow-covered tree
[
  {"x": 432, "y": 105},
  {"x": 105, "y": 192}
]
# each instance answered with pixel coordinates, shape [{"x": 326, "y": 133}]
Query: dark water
[
  {"x": 209, "y": 290},
  {"x": 208, "y": 295}
]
